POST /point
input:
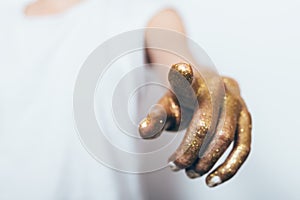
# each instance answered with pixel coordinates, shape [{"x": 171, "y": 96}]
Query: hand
[{"x": 195, "y": 110}]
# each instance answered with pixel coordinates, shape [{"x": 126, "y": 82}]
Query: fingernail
[
  {"x": 192, "y": 174},
  {"x": 214, "y": 181},
  {"x": 173, "y": 166}
]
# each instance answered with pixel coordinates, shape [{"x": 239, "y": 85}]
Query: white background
[{"x": 257, "y": 43}]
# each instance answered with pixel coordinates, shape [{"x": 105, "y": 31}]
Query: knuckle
[
  {"x": 225, "y": 139},
  {"x": 231, "y": 85}
]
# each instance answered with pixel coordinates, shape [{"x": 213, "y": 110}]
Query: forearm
[{"x": 168, "y": 26}]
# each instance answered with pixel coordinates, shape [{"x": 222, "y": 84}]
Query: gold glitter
[{"x": 237, "y": 123}]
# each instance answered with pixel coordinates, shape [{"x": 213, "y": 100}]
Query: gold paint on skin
[{"x": 234, "y": 124}]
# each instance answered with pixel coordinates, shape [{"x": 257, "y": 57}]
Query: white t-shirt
[{"x": 40, "y": 153}]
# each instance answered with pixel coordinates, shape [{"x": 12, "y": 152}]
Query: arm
[
  {"x": 165, "y": 19},
  {"x": 233, "y": 124}
]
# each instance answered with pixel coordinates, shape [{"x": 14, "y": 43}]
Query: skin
[
  {"x": 233, "y": 123},
  {"x": 194, "y": 110},
  {"x": 49, "y": 7}
]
